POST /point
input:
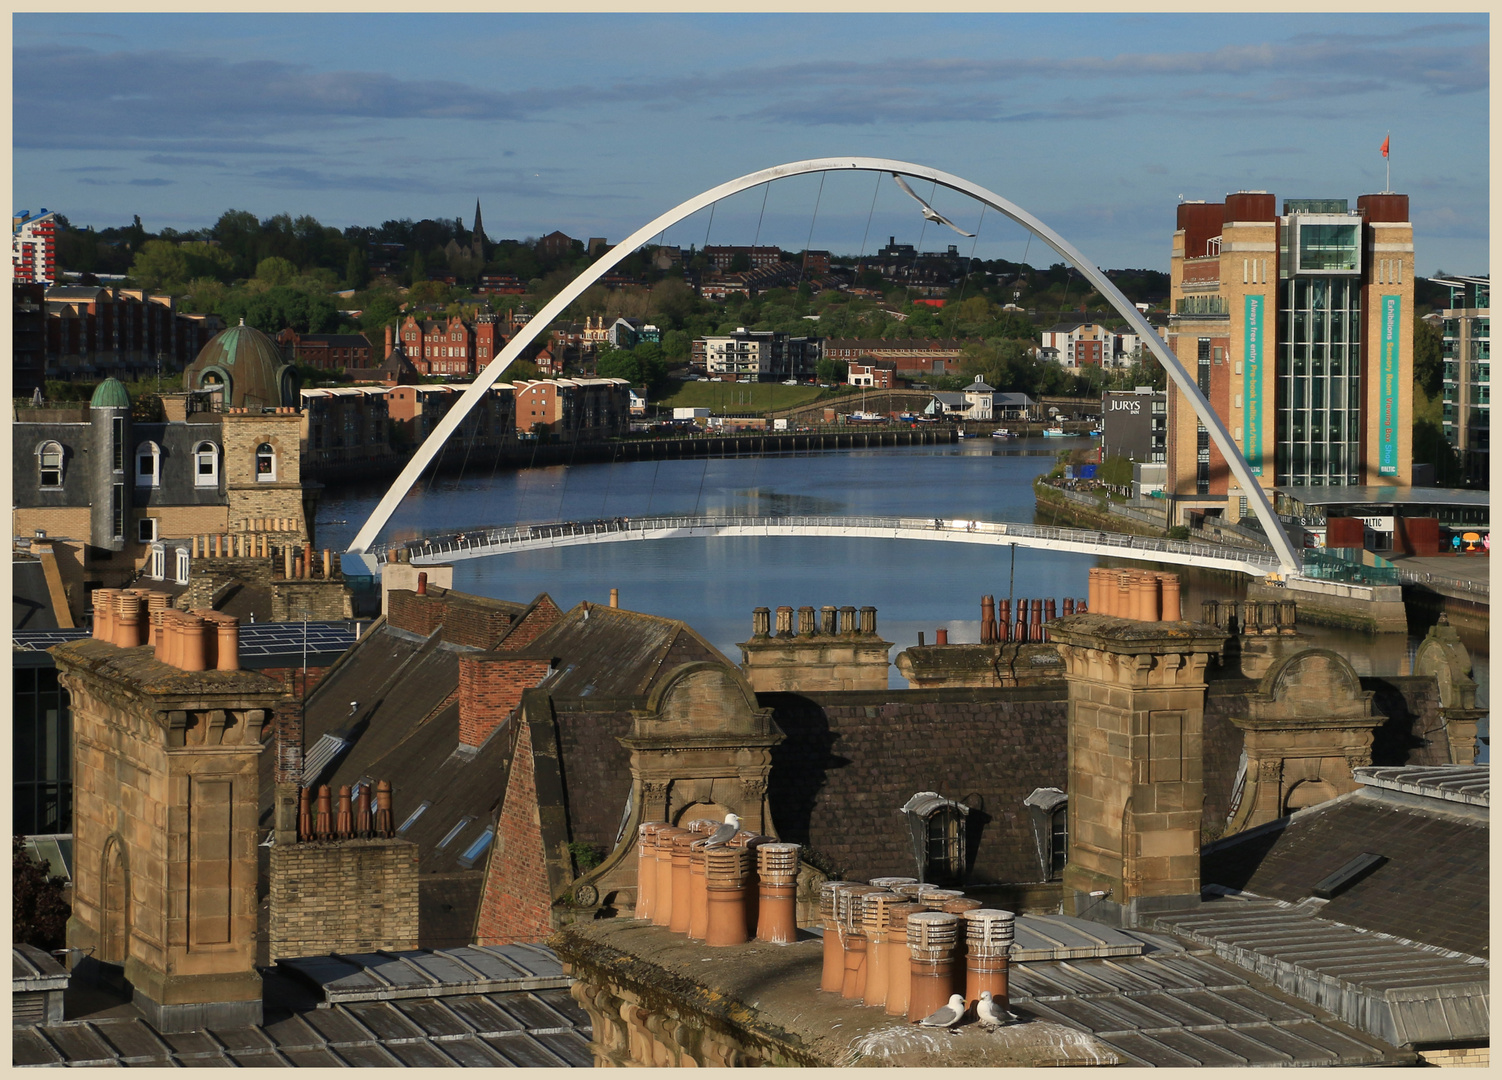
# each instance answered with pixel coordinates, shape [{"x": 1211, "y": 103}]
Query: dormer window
[
  {"x": 148, "y": 465},
  {"x": 206, "y": 465},
  {"x": 1048, "y": 809},
  {"x": 937, "y": 829},
  {"x": 50, "y": 465}
]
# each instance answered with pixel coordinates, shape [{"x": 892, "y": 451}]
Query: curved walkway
[{"x": 504, "y": 541}]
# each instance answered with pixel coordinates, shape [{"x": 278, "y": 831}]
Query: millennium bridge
[{"x": 482, "y": 543}]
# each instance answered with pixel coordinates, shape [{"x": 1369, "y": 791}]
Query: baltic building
[{"x": 1298, "y": 326}]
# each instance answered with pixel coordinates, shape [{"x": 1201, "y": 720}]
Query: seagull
[
  {"x": 725, "y": 832},
  {"x": 992, "y": 1016},
  {"x": 928, "y": 211},
  {"x": 948, "y": 1016}
]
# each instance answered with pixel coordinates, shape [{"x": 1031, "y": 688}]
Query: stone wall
[{"x": 343, "y": 896}]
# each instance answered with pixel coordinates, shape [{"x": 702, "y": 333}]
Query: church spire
[{"x": 477, "y": 238}]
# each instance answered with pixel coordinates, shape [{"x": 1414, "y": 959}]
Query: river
[{"x": 712, "y": 585}]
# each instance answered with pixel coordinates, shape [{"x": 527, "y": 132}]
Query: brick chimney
[{"x": 490, "y": 688}]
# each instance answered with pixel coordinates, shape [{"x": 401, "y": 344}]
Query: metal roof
[
  {"x": 1063, "y": 937},
  {"x": 33, "y": 969},
  {"x": 1170, "y": 1008},
  {"x": 435, "y": 1014},
  {"x": 1400, "y": 992},
  {"x": 1470, "y": 784},
  {"x": 386, "y": 976},
  {"x": 1370, "y": 494}
]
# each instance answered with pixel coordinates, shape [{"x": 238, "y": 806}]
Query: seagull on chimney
[
  {"x": 947, "y": 1017},
  {"x": 928, "y": 211},
  {"x": 992, "y": 1015},
  {"x": 721, "y": 836}
]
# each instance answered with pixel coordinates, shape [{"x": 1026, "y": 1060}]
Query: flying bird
[
  {"x": 948, "y": 1016},
  {"x": 725, "y": 832},
  {"x": 991, "y": 1015},
  {"x": 928, "y": 211}
]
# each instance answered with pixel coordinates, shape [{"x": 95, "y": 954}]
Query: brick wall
[
  {"x": 1474, "y": 1057},
  {"x": 541, "y": 618},
  {"x": 490, "y": 688},
  {"x": 343, "y": 896},
  {"x": 516, "y": 904},
  {"x": 405, "y": 610},
  {"x": 292, "y": 601},
  {"x": 470, "y": 621},
  {"x": 68, "y": 521}
]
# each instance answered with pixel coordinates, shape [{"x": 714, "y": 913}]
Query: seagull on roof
[
  {"x": 725, "y": 832},
  {"x": 948, "y": 1016},
  {"x": 992, "y": 1015},
  {"x": 928, "y": 211}
]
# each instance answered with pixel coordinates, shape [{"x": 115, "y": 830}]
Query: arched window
[
  {"x": 206, "y": 465},
  {"x": 1049, "y": 810},
  {"x": 158, "y": 564},
  {"x": 50, "y": 464},
  {"x": 937, "y": 829},
  {"x": 148, "y": 465},
  {"x": 183, "y": 566},
  {"x": 265, "y": 463}
]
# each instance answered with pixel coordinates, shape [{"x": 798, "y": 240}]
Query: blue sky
[{"x": 594, "y": 124}]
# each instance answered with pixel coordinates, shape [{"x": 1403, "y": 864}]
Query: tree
[
  {"x": 831, "y": 371},
  {"x": 419, "y": 272},
  {"x": 159, "y": 265},
  {"x": 276, "y": 271},
  {"x": 39, "y": 914},
  {"x": 1428, "y": 361},
  {"x": 677, "y": 346},
  {"x": 356, "y": 273}
]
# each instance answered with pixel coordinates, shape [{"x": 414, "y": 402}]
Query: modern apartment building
[
  {"x": 760, "y": 355},
  {"x": 33, "y": 246},
  {"x": 1467, "y": 356},
  {"x": 1297, "y": 326}
]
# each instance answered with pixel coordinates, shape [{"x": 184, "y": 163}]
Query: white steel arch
[{"x": 1287, "y": 557}]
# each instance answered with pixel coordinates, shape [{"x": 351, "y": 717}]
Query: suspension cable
[{"x": 819, "y": 198}]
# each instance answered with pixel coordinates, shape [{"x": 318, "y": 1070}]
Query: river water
[{"x": 712, "y": 585}]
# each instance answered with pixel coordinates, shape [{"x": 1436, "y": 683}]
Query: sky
[{"x": 1097, "y": 124}]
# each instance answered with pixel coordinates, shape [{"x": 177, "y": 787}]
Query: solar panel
[{"x": 256, "y": 639}]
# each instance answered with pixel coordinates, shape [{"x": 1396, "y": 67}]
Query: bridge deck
[{"x": 502, "y": 541}]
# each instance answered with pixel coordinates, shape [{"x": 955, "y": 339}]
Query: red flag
[{"x": 1384, "y": 145}]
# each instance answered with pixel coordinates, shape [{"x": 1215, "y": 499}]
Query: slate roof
[
  {"x": 604, "y": 652},
  {"x": 1433, "y": 886},
  {"x": 455, "y": 1022}
]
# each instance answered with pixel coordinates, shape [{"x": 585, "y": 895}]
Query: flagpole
[{"x": 1387, "y": 143}]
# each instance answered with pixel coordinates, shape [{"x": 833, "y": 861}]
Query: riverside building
[
  {"x": 1467, "y": 355},
  {"x": 1299, "y": 326}
]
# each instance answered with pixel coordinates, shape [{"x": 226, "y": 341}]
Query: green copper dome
[
  {"x": 110, "y": 395},
  {"x": 249, "y": 364}
]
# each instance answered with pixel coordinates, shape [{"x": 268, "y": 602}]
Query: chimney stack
[
  {"x": 646, "y": 866},
  {"x": 834, "y": 954},
  {"x": 777, "y": 871},
  {"x": 422, "y": 583},
  {"x": 931, "y": 939},
  {"x": 989, "y": 933},
  {"x": 615, "y": 598}
]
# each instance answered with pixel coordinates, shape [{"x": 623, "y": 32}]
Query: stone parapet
[{"x": 653, "y": 1001}]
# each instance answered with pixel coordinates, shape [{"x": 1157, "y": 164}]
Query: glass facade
[
  {"x": 1319, "y": 382},
  {"x": 1324, "y": 248},
  {"x": 41, "y": 746},
  {"x": 1466, "y": 352}
]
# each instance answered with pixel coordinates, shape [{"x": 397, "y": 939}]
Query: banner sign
[
  {"x": 1387, "y": 415},
  {"x": 1251, "y": 445}
]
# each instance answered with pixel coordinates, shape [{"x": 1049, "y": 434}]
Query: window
[
  {"x": 206, "y": 465},
  {"x": 412, "y": 818},
  {"x": 158, "y": 563},
  {"x": 148, "y": 465},
  {"x": 450, "y": 836},
  {"x": 146, "y": 531},
  {"x": 1048, "y": 808},
  {"x": 117, "y": 512},
  {"x": 117, "y": 443},
  {"x": 475, "y": 850},
  {"x": 50, "y": 464},
  {"x": 183, "y": 566},
  {"x": 937, "y": 829},
  {"x": 265, "y": 463}
]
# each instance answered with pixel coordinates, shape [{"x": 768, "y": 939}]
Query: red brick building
[
  {"x": 453, "y": 348},
  {"x": 914, "y": 358},
  {"x": 330, "y": 352}
]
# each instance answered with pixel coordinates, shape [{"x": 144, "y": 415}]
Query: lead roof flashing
[{"x": 1469, "y": 784}]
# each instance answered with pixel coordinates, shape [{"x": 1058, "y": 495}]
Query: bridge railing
[{"x": 496, "y": 540}]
